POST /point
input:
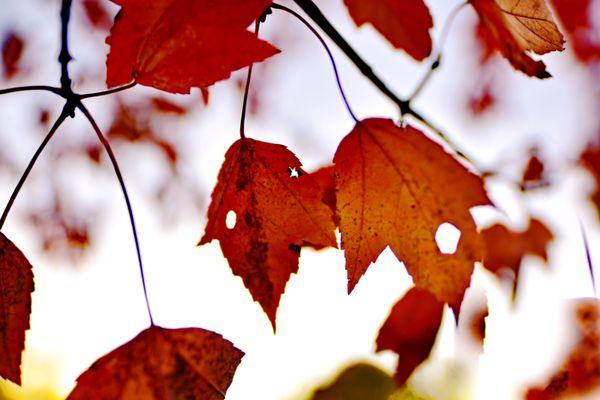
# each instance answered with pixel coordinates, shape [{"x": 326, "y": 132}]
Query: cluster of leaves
[{"x": 389, "y": 185}]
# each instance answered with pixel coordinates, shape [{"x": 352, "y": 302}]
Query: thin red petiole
[{"x": 113, "y": 160}]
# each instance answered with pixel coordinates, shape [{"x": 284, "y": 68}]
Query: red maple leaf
[
  {"x": 277, "y": 207},
  {"x": 410, "y": 330},
  {"x": 174, "y": 45},
  {"x": 405, "y": 24},
  {"x": 160, "y": 364}
]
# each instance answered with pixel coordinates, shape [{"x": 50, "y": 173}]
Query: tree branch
[
  {"x": 64, "y": 57},
  {"x": 31, "y": 88},
  {"x": 405, "y": 107}
]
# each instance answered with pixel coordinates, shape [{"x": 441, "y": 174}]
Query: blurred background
[{"x": 71, "y": 222}]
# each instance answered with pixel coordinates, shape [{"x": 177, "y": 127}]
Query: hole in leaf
[
  {"x": 230, "y": 219},
  {"x": 294, "y": 173},
  {"x": 447, "y": 237}
]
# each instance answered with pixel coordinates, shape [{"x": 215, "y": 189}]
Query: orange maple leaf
[
  {"x": 405, "y": 24},
  {"x": 410, "y": 330},
  {"x": 278, "y": 208},
  {"x": 515, "y": 27},
  {"x": 158, "y": 364},
  {"x": 395, "y": 187},
  {"x": 174, "y": 45},
  {"x": 16, "y": 285}
]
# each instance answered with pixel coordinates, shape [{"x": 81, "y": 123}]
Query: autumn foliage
[{"x": 391, "y": 184}]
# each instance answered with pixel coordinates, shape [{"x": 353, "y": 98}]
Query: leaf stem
[
  {"x": 588, "y": 256},
  {"x": 113, "y": 160},
  {"x": 315, "y": 14},
  {"x": 61, "y": 118},
  {"x": 107, "y": 92},
  {"x": 333, "y": 63},
  {"x": 247, "y": 90}
]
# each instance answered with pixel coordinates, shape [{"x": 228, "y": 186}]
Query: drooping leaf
[
  {"x": 273, "y": 208},
  {"x": 516, "y": 27},
  {"x": 410, "y": 330},
  {"x": 161, "y": 364},
  {"x": 358, "y": 381},
  {"x": 16, "y": 286},
  {"x": 395, "y": 187},
  {"x": 12, "y": 49},
  {"x": 405, "y": 24},
  {"x": 505, "y": 249},
  {"x": 577, "y": 18},
  {"x": 590, "y": 159},
  {"x": 174, "y": 45},
  {"x": 579, "y": 375}
]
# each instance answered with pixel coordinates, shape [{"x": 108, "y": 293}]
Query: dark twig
[
  {"x": 66, "y": 111},
  {"x": 119, "y": 175},
  {"x": 64, "y": 57},
  {"x": 335, "y": 69},
  {"x": 32, "y": 88},
  {"x": 247, "y": 90}
]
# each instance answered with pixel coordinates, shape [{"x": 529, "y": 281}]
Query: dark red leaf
[{"x": 16, "y": 286}]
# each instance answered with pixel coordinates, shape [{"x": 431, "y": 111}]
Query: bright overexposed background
[{"x": 86, "y": 307}]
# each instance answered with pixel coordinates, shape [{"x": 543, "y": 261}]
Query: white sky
[{"x": 81, "y": 313}]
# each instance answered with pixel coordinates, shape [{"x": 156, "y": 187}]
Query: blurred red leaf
[
  {"x": 16, "y": 286},
  {"x": 483, "y": 100},
  {"x": 580, "y": 373},
  {"x": 277, "y": 208},
  {"x": 590, "y": 159},
  {"x": 395, "y": 187},
  {"x": 410, "y": 330},
  {"x": 515, "y": 27},
  {"x": 167, "y": 107},
  {"x": 174, "y": 45},
  {"x": 12, "y": 49},
  {"x": 576, "y": 16},
  {"x": 533, "y": 176},
  {"x": 160, "y": 364},
  {"x": 97, "y": 14},
  {"x": 505, "y": 248},
  {"x": 405, "y": 24}
]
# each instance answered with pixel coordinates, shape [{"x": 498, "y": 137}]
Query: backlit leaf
[
  {"x": 174, "y": 45},
  {"x": 162, "y": 364},
  {"x": 16, "y": 285},
  {"x": 263, "y": 210},
  {"x": 516, "y": 27},
  {"x": 395, "y": 187}
]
